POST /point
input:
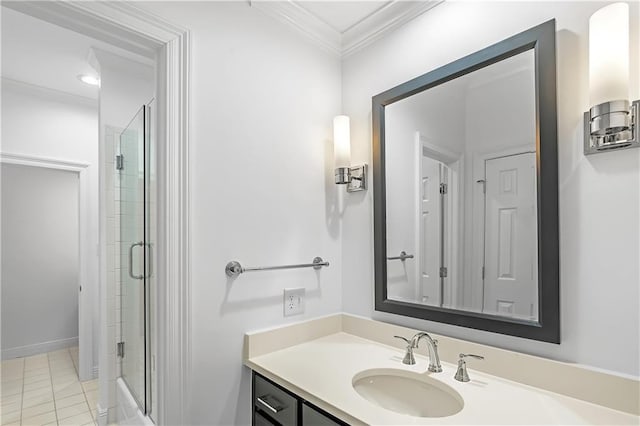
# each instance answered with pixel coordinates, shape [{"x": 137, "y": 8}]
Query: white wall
[
  {"x": 262, "y": 191},
  {"x": 45, "y": 123},
  {"x": 39, "y": 260},
  {"x": 600, "y": 322}
]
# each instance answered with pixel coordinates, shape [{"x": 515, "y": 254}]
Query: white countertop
[{"x": 322, "y": 370}]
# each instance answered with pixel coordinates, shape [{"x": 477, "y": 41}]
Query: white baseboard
[{"x": 39, "y": 348}]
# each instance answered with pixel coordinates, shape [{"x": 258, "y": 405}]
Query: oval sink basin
[{"x": 408, "y": 393}]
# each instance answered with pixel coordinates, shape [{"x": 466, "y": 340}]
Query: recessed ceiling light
[{"x": 89, "y": 79}]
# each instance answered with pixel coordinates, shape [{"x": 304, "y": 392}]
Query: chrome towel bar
[
  {"x": 403, "y": 256},
  {"x": 234, "y": 268}
]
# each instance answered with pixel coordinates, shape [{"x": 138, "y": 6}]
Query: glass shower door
[{"x": 135, "y": 251}]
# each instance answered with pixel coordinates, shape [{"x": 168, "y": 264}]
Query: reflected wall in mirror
[
  {"x": 465, "y": 191},
  {"x": 461, "y": 192}
]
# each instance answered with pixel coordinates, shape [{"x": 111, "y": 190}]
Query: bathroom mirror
[{"x": 466, "y": 191}]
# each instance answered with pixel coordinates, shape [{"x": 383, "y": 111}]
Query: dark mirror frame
[{"x": 542, "y": 39}]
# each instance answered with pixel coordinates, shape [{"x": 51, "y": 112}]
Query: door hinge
[
  {"x": 120, "y": 349},
  {"x": 483, "y": 272},
  {"x": 443, "y": 272},
  {"x": 119, "y": 162},
  {"x": 443, "y": 188}
]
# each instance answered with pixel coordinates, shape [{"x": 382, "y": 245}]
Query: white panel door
[
  {"x": 429, "y": 231},
  {"x": 510, "y": 282}
]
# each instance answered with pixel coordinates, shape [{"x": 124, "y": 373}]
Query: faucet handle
[
  {"x": 403, "y": 338},
  {"x": 409, "y": 359},
  {"x": 461, "y": 373},
  {"x": 463, "y": 356}
]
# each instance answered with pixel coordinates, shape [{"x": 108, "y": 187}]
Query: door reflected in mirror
[{"x": 461, "y": 193}]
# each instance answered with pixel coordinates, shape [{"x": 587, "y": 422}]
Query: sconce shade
[
  {"x": 609, "y": 54},
  {"x": 341, "y": 141}
]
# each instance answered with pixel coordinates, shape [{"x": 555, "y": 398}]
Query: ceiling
[
  {"x": 343, "y": 27},
  {"x": 46, "y": 55},
  {"x": 42, "y": 54}
]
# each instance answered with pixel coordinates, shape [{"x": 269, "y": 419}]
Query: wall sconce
[
  {"x": 354, "y": 177},
  {"x": 611, "y": 123}
]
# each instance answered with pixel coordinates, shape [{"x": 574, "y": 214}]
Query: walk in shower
[{"x": 136, "y": 194}]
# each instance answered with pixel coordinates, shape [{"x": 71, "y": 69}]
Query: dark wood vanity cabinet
[{"x": 275, "y": 405}]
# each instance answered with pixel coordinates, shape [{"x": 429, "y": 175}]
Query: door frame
[
  {"x": 454, "y": 228},
  {"x": 144, "y": 33},
  {"x": 85, "y": 268}
]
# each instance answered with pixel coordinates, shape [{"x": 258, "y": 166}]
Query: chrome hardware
[
  {"x": 234, "y": 268},
  {"x": 461, "y": 374},
  {"x": 355, "y": 177},
  {"x": 484, "y": 185},
  {"x": 149, "y": 263},
  {"x": 432, "y": 346},
  {"x": 612, "y": 125},
  {"x": 120, "y": 349},
  {"x": 403, "y": 256},
  {"x": 131, "y": 274},
  {"x": 342, "y": 175},
  {"x": 443, "y": 272},
  {"x": 119, "y": 162},
  {"x": 271, "y": 403},
  {"x": 409, "y": 359},
  {"x": 443, "y": 188}
]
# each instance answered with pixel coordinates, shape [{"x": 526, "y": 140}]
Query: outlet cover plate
[{"x": 293, "y": 301}]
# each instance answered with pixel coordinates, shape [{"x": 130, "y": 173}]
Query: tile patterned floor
[{"x": 44, "y": 390}]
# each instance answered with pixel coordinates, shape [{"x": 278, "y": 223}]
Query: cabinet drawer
[
  {"x": 311, "y": 417},
  {"x": 275, "y": 402},
  {"x": 260, "y": 420}
]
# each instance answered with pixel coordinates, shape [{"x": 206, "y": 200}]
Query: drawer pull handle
[{"x": 272, "y": 400}]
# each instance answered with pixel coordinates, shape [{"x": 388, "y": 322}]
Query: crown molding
[
  {"x": 303, "y": 21},
  {"x": 383, "y": 22},
  {"x": 371, "y": 28}
]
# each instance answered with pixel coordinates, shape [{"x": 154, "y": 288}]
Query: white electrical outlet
[{"x": 293, "y": 301}]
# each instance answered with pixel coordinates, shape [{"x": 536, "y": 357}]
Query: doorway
[
  {"x": 439, "y": 173},
  {"x": 46, "y": 335},
  {"x": 131, "y": 28}
]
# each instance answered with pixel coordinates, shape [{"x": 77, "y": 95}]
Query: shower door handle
[{"x": 131, "y": 274}]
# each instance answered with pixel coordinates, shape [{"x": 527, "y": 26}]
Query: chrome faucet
[
  {"x": 432, "y": 345},
  {"x": 461, "y": 373},
  {"x": 408, "y": 359}
]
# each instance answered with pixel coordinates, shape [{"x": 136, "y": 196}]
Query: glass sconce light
[
  {"x": 355, "y": 177},
  {"x": 612, "y": 121}
]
